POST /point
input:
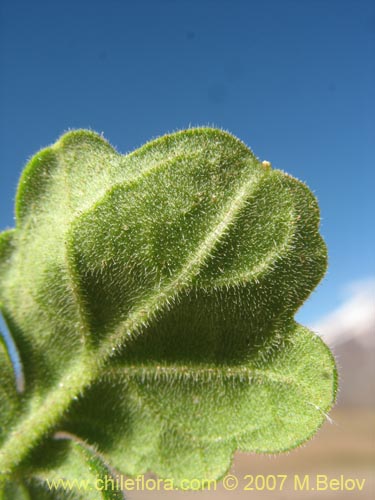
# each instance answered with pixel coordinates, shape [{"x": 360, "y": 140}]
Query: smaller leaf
[
  {"x": 14, "y": 490},
  {"x": 9, "y": 399},
  {"x": 66, "y": 467}
]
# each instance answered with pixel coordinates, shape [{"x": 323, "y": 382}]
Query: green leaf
[
  {"x": 151, "y": 297},
  {"x": 65, "y": 468},
  {"x": 202, "y": 412},
  {"x": 9, "y": 400}
]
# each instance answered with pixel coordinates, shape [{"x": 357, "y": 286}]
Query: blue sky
[{"x": 293, "y": 79}]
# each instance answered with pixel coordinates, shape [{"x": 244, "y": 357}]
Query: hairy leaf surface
[
  {"x": 65, "y": 468},
  {"x": 9, "y": 404},
  {"x": 151, "y": 297}
]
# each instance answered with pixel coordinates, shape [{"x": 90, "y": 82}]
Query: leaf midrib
[{"x": 193, "y": 373}]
